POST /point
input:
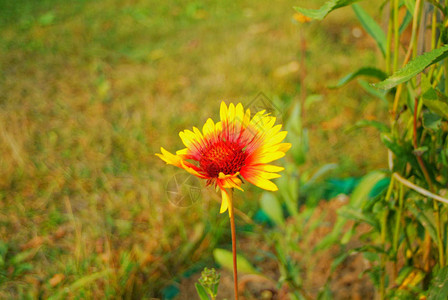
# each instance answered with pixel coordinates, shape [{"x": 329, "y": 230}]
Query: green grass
[{"x": 90, "y": 90}]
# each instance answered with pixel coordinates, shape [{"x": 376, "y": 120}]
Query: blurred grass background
[{"x": 90, "y": 90}]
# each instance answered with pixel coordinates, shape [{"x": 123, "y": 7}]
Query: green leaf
[
  {"x": 225, "y": 259},
  {"x": 404, "y": 153},
  {"x": 361, "y": 192},
  {"x": 47, "y": 19},
  {"x": 201, "y": 292},
  {"x": 338, "y": 260},
  {"x": 348, "y": 235},
  {"x": 83, "y": 281},
  {"x": 437, "y": 4},
  {"x": 24, "y": 256},
  {"x": 434, "y": 99},
  {"x": 439, "y": 285},
  {"x": 410, "y": 5},
  {"x": 288, "y": 188},
  {"x": 372, "y": 28},
  {"x": 380, "y": 94},
  {"x": 357, "y": 199},
  {"x": 406, "y": 20},
  {"x": 437, "y": 106},
  {"x": 404, "y": 272},
  {"x": 424, "y": 221},
  {"x": 313, "y": 98},
  {"x": 271, "y": 206},
  {"x": 414, "y": 67},
  {"x": 409, "y": 277},
  {"x": 297, "y": 135},
  {"x": 325, "y": 9},
  {"x": 431, "y": 120},
  {"x": 321, "y": 172},
  {"x": 358, "y": 216},
  {"x": 325, "y": 293},
  {"x": 371, "y": 123},
  {"x": 366, "y": 71}
]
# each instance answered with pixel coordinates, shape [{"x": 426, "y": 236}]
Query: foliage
[
  {"x": 407, "y": 241},
  {"x": 208, "y": 284},
  {"x": 89, "y": 91}
]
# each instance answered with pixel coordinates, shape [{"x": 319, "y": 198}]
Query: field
[{"x": 90, "y": 91}]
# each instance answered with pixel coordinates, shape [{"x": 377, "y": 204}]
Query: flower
[{"x": 231, "y": 150}]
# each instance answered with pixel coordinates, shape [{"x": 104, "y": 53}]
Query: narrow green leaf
[
  {"x": 225, "y": 259},
  {"x": 414, "y": 67},
  {"x": 201, "y": 292},
  {"x": 431, "y": 120},
  {"x": 325, "y": 293},
  {"x": 361, "y": 192},
  {"x": 433, "y": 99},
  {"x": 406, "y": 21},
  {"x": 439, "y": 285},
  {"x": 410, "y": 5},
  {"x": 372, "y": 27},
  {"x": 24, "y": 256},
  {"x": 288, "y": 188},
  {"x": 439, "y": 107},
  {"x": 83, "y": 281},
  {"x": 359, "y": 196},
  {"x": 437, "y": 4},
  {"x": 321, "y": 172},
  {"x": 358, "y": 216},
  {"x": 348, "y": 235},
  {"x": 424, "y": 221},
  {"x": 365, "y": 71},
  {"x": 371, "y": 123},
  {"x": 404, "y": 272},
  {"x": 380, "y": 94},
  {"x": 313, "y": 98},
  {"x": 370, "y": 249},
  {"x": 271, "y": 206},
  {"x": 403, "y": 153},
  {"x": 325, "y": 9},
  {"x": 338, "y": 260}
]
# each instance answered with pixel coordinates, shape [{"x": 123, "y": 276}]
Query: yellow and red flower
[{"x": 237, "y": 147}]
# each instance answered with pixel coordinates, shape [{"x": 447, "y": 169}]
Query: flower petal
[
  {"x": 192, "y": 169},
  {"x": 264, "y": 158},
  {"x": 261, "y": 182},
  {"x": 169, "y": 158},
  {"x": 223, "y": 112},
  {"x": 226, "y": 199},
  {"x": 208, "y": 129}
]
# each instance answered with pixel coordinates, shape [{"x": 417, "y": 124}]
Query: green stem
[
  {"x": 398, "y": 220},
  {"x": 383, "y": 255},
  {"x": 412, "y": 45},
  {"x": 433, "y": 38},
  {"x": 396, "y": 34},
  {"x": 430, "y": 185},
  {"x": 397, "y": 226},
  {"x": 389, "y": 40},
  {"x": 383, "y": 241}
]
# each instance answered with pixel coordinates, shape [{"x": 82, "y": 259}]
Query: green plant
[
  {"x": 208, "y": 284},
  {"x": 407, "y": 243}
]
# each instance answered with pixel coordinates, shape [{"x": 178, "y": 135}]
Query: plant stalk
[
  {"x": 431, "y": 188},
  {"x": 397, "y": 228},
  {"x": 232, "y": 228},
  {"x": 396, "y": 35}
]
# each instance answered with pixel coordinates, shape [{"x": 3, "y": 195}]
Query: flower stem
[{"x": 232, "y": 228}]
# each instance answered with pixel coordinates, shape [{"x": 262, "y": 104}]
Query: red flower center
[{"x": 224, "y": 157}]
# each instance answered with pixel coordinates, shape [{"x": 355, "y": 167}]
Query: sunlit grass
[{"x": 91, "y": 89}]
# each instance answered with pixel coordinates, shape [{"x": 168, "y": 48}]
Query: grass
[{"x": 89, "y": 92}]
